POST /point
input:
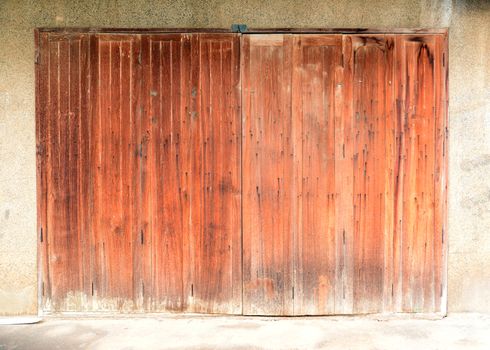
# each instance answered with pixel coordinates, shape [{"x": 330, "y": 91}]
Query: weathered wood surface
[
  {"x": 139, "y": 172},
  {"x": 269, "y": 176},
  {"x": 355, "y": 213},
  {"x": 338, "y": 163},
  {"x": 191, "y": 169}
]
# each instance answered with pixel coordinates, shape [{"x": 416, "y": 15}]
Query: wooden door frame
[{"x": 68, "y": 31}]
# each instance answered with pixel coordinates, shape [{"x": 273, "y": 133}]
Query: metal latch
[{"x": 238, "y": 28}]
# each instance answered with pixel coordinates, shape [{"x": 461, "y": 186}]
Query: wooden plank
[
  {"x": 166, "y": 227},
  {"x": 267, "y": 175},
  {"x": 93, "y": 125},
  {"x": 371, "y": 94},
  {"x": 115, "y": 168},
  {"x": 136, "y": 105},
  {"x": 344, "y": 186},
  {"x": 144, "y": 152},
  {"x": 390, "y": 162},
  {"x": 419, "y": 251},
  {"x": 217, "y": 275},
  {"x": 84, "y": 174},
  {"x": 314, "y": 87},
  {"x": 196, "y": 181},
  {"x": 72, "y": 132},
  {"x": 186, "y": 175}
]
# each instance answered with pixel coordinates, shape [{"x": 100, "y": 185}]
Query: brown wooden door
[
  {"x": 344, "y": 154},
  {"x": 163, "y": 159},
  {"x": 139, "y": 172}
]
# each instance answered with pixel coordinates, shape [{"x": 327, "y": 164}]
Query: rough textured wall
[
  {"x": 469, "y": 22},
  {"x": 469, "y": 157}
]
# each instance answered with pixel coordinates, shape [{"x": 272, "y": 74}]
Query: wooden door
[
  {"x": 139, "y": 172},
  {"x": 324, "y": 194},
  {"x": 344, "y": 180}
]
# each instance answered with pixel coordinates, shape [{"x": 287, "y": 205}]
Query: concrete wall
[{"x": 469, "y": 22}]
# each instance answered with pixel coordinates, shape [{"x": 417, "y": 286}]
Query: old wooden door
[
  {"x": 284, "y": 174},
  {"x": 344, "y": 177},
  {"x": 139, "y": 172}
]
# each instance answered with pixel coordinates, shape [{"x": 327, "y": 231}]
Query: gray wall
[{"x": 469, "y": 161}]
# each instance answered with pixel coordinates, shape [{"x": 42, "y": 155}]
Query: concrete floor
[{"x": 457, "y": 331}]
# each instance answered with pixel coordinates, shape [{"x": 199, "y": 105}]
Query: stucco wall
[{"x": 469, "y": 162}]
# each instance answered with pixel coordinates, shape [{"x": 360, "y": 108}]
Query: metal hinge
[{"x": 239, "y": 28}]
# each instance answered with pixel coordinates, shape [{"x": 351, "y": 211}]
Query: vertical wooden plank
[
  {"x": 51, "y": 164},
  {"x": 217, "y": 287},
  {"x": 399, "y": 168},
  {"x": 98, "y": 125},
  {"x": 115, "y": 169},
  {"x": 136, "y": 105},
  {"x": 93, "y": 125},
  {"x": 391, "y": 156},
  {"x": 232, "y": 212},
  {"x": 127, "y": 205},
  {"x": 84, "y": 175},
  {"x": 419, "y": 245},
  {"x": 166, "y": 222},
  {"x": 267, "y": 175},
  {"x": 344, "y": 185},
  {"x": 73, "y": 162},
  {"x": 145, "y": 152},
  {"x": 297, "y": 175},
  {"x": 371, "y": 267},
  {"x": 314, "y": 82},
  {"x": 151, "y": 136},
  {"x": 186, "y": 175},
  {"x": 196, "y": 183}
]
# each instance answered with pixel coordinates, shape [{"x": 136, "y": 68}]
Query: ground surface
[{"x": 458, "y": 331}]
